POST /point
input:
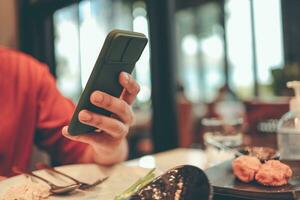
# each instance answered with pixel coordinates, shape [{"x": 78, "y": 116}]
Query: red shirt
[{"x": 31, "y": 111}]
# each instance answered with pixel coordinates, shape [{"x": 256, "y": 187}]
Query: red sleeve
[{"x": 54, "y": 112}]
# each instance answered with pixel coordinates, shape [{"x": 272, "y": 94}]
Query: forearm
[{"x": 105, "y": 156}]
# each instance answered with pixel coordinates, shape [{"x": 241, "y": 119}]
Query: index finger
[{"x": 131, "y": 87}]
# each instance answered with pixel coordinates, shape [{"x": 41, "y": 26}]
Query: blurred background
[{"x": 205, "y": 58}]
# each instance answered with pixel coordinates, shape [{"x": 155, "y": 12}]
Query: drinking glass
[{"x": 228, "y": 133}]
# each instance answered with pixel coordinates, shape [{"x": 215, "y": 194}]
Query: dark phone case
[{"x": 120, "y": 51}]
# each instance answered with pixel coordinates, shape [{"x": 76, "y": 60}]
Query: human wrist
[{"x": 112, "y": 155}]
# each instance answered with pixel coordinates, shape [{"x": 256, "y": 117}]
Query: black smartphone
[{"x": 120, "y": 51}]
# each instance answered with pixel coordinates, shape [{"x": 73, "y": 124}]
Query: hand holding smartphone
[{"x": 120, "y": 51}]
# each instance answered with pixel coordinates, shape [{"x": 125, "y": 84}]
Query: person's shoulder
[
  {"x": 15, "y": 59},
  {"x": 14, "y": 54},
  {"x": 4, "y": 51}
]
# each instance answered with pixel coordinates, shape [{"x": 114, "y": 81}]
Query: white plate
[{"x": 120, "y": 178}]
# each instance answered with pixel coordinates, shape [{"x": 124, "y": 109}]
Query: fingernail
[
  {"x": 98, "y": 97},
  {"x": 84, "y": 116},
  {"x": 126, "y": 77}
]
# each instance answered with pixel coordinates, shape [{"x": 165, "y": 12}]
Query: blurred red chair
[
  {"x": 262, "y": 116},
  {"x": 185, "y": 123}
]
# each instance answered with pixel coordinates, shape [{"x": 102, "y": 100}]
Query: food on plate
[
  {"x": 27, "y": 190},
  {"x": 270, "y": 173},
  {"x": 182, "y": 182},
  {"x": 262, "y": 153},
  {"x": 245, "y": 168},
  {"x": 273, "y": 173}
]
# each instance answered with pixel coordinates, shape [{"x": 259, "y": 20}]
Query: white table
[
  {"x": 123, "y": 175},
  {"x": 181, "y": 156}
]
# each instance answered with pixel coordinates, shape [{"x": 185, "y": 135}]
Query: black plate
[
  {"x": 185, "y": 182},
  {"x": 226, "y": 185}
]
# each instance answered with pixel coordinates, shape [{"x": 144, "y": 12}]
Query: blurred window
[
  {"x": 200, "y": 51},
  {"x": 67, "y": 51},
  {"x": 268, "y": 44},
  {"x": 239, "y": 47},
  {"x": 80, "y": 31},
  {"x": 200, "y": 47},
  {"x": 269, "y": 41}
]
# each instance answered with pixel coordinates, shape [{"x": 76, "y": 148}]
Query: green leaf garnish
[{"x": 137, "y": 185}]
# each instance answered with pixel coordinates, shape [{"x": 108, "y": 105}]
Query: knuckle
[
  {"x": 107, "y": 101},
  {"x": 122, "y": 130},
  {"x": 127, "y": 111},
  {"x": 98, "y": 121},
  {"x": 123, "y": 107},
  {"x": 134, "y": 87},
  {"x": 131, "y": 117},
  {"x": 131, "y": 120},
  {"x": 126, "y": 129},
  {"x": 137, "y": 89}
]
